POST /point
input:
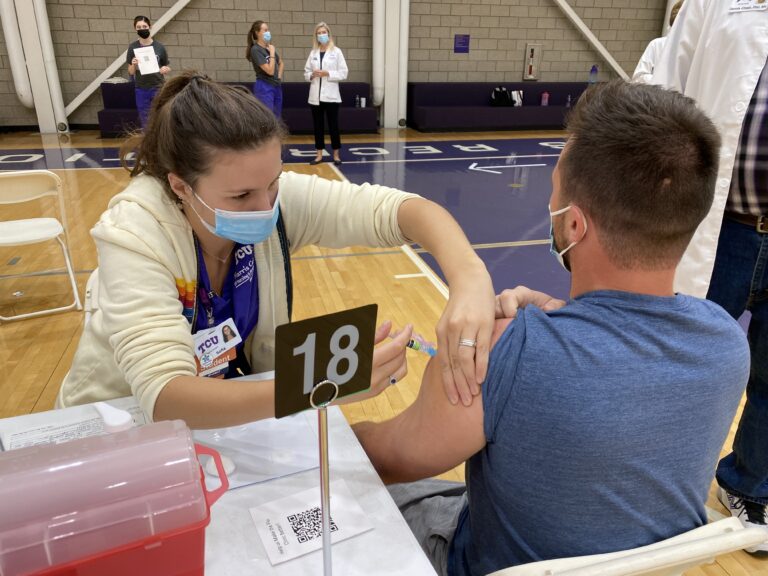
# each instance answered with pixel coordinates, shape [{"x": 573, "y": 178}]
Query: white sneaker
[{"x": 750, "y": 514}]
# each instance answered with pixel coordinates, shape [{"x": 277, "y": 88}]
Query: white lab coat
[
  {"x": 326, "y": 89},
  {"x": 715, "y": 57},
  {"x": 644, "y": 71}
]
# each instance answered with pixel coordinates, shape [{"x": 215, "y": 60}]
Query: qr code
[{"x": 308, "y": 525}]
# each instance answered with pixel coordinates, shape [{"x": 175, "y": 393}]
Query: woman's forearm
[
  {"x": 213, "y": 403},
  {"x": 435, "y": 229},
  {"x": 268, "y": 69}
]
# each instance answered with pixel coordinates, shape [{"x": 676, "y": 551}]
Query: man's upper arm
[{"x": 431, "y": 436}]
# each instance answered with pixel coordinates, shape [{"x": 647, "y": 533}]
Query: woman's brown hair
[
  {"x": 191, "y": 119},
  {"x": 252, "y": 37}
]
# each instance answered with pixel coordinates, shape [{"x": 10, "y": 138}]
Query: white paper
[
  {"x": 147, "y": 60},
  {"x": 78, "y": 425},
  {"x": 748, "y": 5},
  {"x": 263, "y": 450},
  {"x": 292, "y": 526}
]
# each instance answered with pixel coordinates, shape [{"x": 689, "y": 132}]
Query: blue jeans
[
  {"x": 740, "y": 282},
  {"x": 144, "y": 97},
  {"x": 270, "y": 95}
]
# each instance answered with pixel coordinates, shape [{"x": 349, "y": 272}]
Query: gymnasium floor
[{"x": 496, "y": 185}]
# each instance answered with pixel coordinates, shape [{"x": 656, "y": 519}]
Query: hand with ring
[{"x": 464, "y": 335}]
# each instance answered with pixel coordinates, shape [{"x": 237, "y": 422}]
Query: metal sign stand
[{"x": 325, "y": 493}]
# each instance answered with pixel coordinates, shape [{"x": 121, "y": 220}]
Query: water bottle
[
  {"x": 357, "y": 101},
  {"x": 593, "y": 74},
  {"x": 568, "y": 101},
  {"x": 545, "y": 98}
]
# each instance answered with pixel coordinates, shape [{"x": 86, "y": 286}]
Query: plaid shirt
[{"x": 749, "y": 184}]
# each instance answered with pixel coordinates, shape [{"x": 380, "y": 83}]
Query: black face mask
[{"x": 144, "y": 33}]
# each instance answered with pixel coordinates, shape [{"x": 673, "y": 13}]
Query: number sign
[{"x": 336, "y": 347}]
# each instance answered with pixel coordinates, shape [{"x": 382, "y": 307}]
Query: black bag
[{"x": 500, "y": 96}]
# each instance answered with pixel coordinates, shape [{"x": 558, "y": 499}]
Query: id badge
[
  {"x": 215, "y": 348},
  {"x": 748, "y": 5}
]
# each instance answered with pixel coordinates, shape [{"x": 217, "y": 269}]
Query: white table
[{"x": 233, "y": 547}]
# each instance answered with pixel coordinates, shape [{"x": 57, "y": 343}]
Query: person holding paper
[
  {"x": 202, "y": 236},
  {"x": 324, "y": 69},
  {"x": 268, "y": 67},
  {"x": 148, "y": 63},
  {"x": 600, "y": 422}
]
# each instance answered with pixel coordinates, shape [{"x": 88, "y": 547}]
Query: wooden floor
[{"x": 35, "y": 354}]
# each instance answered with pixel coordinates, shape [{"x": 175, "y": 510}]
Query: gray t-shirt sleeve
[
  {"x": 162, "y": 56},
  {"x": 129, "y": 55},
  {"x": 259, "y": 57}
]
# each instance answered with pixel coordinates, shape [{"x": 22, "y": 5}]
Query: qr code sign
[{"x": 308, "y": 525}]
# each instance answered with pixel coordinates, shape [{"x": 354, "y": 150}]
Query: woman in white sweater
[
  {"x": 324, "y": 69},
  {"x": 202, "y": 236}
]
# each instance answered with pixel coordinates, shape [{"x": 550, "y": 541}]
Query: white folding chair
[
  {"x": 19, "y": 187},
  {"x": 669, "y": 557}
]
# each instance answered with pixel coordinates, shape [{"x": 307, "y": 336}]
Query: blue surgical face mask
[
  {"x": 558, "y": 254},
  {"x": 242, "y": 227},
  {"x": 267, "y": 36},
  {"x": 322, "y": 38}
]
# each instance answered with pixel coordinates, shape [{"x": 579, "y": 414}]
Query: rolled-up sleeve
[{"x": 336, "y": 214}]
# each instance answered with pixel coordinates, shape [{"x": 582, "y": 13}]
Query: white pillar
[
  {"x": 402, "y": 92},
  {"x": 15, "y": 53},
  {"x": 33, "y": 53},
  {"x": 379, "y": 46},
  {"x": 389, "y": 111},
  {"x": 51, "y": 68}
]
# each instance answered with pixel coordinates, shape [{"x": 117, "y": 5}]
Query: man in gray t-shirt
[{"x": 600, "y": 423}]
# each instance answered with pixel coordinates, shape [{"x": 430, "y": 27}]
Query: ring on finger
[{"x": 468, "y": 342}]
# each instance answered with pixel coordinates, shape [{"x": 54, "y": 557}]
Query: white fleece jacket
[{"x": 140, "y": 338}]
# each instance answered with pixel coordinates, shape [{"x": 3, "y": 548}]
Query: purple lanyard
[{"x": 240, "y": 293}]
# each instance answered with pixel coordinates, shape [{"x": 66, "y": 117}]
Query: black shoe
[
  {"x": 315, "y": 162},
  {"x": 337, "y": 162}
]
